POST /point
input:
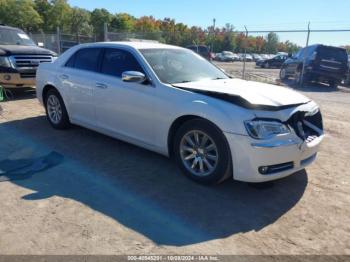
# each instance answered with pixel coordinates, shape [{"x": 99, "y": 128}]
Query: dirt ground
[{"x": 91, "y": 194}]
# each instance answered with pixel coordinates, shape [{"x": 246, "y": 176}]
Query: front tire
[
  {"x": 56, "y": 112},
  {"x": 298, "y": 77},
  {"x": 283, "y": 74},
  {"x": 202, "y": 152}
]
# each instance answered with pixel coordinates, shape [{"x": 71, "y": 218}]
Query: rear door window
[
  {"x": 71, "y": 61},
  {"x": 87, "y": 59},
  {"x": 117, "y": 61}
]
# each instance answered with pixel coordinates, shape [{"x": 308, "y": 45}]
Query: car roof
[
  {"x": 133, "y": 44},
  {"x": 9, "y": 27},
  {"x": 326, "y": 46}
]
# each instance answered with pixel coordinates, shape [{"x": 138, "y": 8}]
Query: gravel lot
[{"x": 91, "y": 194}]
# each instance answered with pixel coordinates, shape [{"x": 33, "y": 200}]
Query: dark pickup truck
[{"x": 20, "y": 58}]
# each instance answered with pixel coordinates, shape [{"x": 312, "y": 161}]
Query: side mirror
[{"x": 133, "y": 77}]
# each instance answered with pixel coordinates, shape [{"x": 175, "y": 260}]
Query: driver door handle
[{"x": 101, "y": 86}]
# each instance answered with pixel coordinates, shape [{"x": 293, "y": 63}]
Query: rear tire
[
  {"x": 333, "y": 83},
  {"x": 56, "y": 111},
  {"x": 202, "y": 152}
]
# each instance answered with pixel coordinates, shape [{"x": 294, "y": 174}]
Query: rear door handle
[
  {"x": 101, "y": 86},
  {"x": 64, "y": 77}
]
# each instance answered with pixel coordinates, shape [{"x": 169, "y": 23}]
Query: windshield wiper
[{"x": 185, "y": 81}]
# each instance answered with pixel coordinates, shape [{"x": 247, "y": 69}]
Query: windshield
[
  {"x": 14, "y": 37},
  {"x": 180, "y": 66}
]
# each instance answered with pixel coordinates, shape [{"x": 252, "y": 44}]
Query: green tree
[
  {"x": 123, "y": 22},
  {"x": 229, "y": 39},
  {"x": 20, "y": 13},
  {"x": 60, "y": 14},
  {"x": 43, "y": 8},
  {"x": 97, "y": 19},
  {"x": 80, "y": 21},
  {"x": 272, "y": 41}
]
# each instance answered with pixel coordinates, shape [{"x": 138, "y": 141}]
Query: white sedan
[{"x": 172, "y": 101}]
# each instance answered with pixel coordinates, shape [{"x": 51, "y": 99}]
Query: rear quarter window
[
  {"x": 71, "y": 61},
  {"x": 87, "y": 59}
]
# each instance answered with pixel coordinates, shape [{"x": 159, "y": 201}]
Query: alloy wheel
[
  {"x": 199, "y": 153},
  {"x": 54, "y": 109},
  {"x": 283, "y": 73}
]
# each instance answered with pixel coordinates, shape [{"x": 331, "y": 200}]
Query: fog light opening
[
  {"x": 263, "y": 170},
  {"x": 7, "y": 77},
  {"x": 269, "y": 170}
]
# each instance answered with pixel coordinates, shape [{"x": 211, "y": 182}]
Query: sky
[{"x": 255, "y": 14}]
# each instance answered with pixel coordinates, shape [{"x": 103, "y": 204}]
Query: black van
[{"x": 322, "y": 64}]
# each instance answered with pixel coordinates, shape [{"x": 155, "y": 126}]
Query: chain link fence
[
  {"x": 140, "y": 36},
  {"x": 245, "y": 68},
  {"x": 59, "y": 42}
]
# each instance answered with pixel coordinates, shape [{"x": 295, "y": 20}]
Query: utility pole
[
  {"x": 305, "y": 53},
  {"x": 214, "y": 35},
  {"x": 245, "y": 50},
  {"x": 105, "y": 32},
  {"x": 58, "y": 39}
]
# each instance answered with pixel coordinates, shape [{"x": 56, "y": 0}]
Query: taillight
[{"x": 313, "y": 56}]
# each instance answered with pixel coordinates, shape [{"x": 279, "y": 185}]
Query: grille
[
  {"x": 316, "y": 120},
  {"x": 307, "y": 127},
  {"x": 28, "y": 75},
  {"x": 30, "y": 61}
]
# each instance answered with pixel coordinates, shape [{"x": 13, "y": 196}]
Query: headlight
[
  {"x": 261, "y": 129},
  {"x": 53, "y": 59},
  {"x": 5, "y": 61}
]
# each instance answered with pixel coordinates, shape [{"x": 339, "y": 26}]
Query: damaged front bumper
[{"x": 270, "y": 160}]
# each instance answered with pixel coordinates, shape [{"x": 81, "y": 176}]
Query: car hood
[
  {"x": 23, "y": 50},
  {"x": 248, "y": 93}
]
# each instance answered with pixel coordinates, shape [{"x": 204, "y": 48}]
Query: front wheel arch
[
  {"x": 65, "y": 121},
  {"x": 179, "y": 122},
  {"x": 46, "y": 89},
  {"x": 175, "y": 126},
  {"x": 222, "y": 171}
]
